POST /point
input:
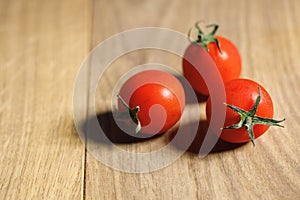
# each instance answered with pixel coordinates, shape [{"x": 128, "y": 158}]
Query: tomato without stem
[
  {"x": 249, "y": 111},
  {"x": 155, "y": 100},
  {"x": 221, "y": 50}
]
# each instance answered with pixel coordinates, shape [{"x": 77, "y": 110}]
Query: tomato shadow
[
  {"x": 189, "y": 91},
  {"x": 198, "y": 139},
  {"x": 104, "y": 129}
]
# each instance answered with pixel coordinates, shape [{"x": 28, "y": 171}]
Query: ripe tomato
[
  {"x": 155, "y": 100},
  {"x": 221, "y": 50},
  {"x": 249, "y": 111}
]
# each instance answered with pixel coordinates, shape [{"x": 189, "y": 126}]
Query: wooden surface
[{"x": 43, "y": 44}]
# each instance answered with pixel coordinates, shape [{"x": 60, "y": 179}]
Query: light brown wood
[
  {"x": 263, "y": 32},
  {"x": 42, "y": 47}
]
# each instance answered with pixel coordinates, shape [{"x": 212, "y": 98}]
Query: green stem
[
  {"x": 249, "y": 118},
  {"x": 133, "y": 113},
  {"x": 204, "y": 39}
]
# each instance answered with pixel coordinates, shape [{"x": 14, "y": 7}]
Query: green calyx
[
  {"x": 204, "y": 39},
  {"x": 133, "y": 113},
  {"x": 249, "y": 118}
]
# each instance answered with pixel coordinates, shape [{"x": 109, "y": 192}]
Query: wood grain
[
  {"x": 43, "y": 44},
  {"x": 268, "y": 171}
]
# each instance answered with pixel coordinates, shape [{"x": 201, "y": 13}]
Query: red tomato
[
  {"x": 222, "y": 51},
  {"x": 157, "y": 97},
  {"x": 243, "y": 94}
]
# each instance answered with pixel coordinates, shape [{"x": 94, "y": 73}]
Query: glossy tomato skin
[
  {"x": 159, "y": 108},
  {"x": 243, "y": 94},
  {"x": 160, "y": 97},
  {"x": 228, "y": 63}
]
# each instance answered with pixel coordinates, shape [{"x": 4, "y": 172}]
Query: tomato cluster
[
  {"x": 249, "y": 107},
  {"x": 154, "y": 100}
]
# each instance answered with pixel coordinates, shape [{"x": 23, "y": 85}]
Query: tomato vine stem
[
  {"x": 204, "y": 39},
  {"x": 133, "y": 113},
  {"x": 249, "y": 118}
]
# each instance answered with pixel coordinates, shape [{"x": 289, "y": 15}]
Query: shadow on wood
[
  {"x": 198, "y": 140},
  {"x": 111, "y": 132}
]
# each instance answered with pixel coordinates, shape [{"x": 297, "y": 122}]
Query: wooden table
[{"x": 43, "y": 44}]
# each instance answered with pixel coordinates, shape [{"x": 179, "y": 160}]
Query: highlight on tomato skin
[
  {"x": 220, "y": 49},
  {"x": 155, "y": 101},
  {"x": 249, "y": 111}
]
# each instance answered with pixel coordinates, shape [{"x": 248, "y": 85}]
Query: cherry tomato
[
  {"x": 249, "y": 111},
  {"x": 155, "y": 100},
  {"x": 221, "y": 50}
]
